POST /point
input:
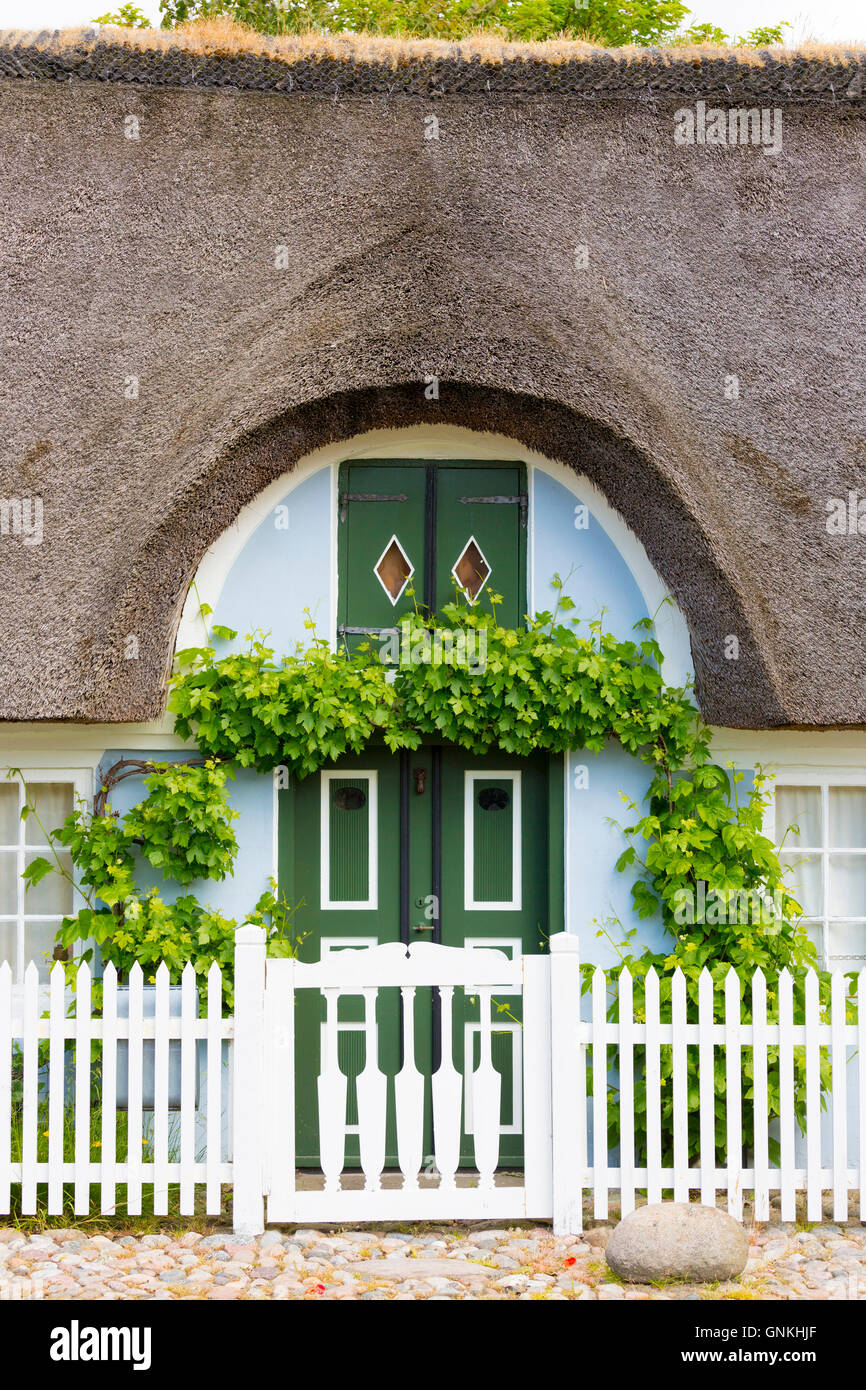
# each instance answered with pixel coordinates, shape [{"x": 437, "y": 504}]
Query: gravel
[{"x": 827, "y": 1262}]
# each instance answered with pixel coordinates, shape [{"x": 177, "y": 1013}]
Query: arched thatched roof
[{"x": 155, "y": 258}]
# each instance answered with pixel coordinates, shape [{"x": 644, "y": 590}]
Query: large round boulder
[{"x": 677, "y": 1240}]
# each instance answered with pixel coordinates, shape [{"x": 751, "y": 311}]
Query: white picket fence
[
  {"x": 68, "y": 1068},
  {"x": 135, "y": 1099}
]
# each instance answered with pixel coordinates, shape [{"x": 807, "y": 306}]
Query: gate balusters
[
  {"x": 447, "y": 1100},
  {"x": 332, "y": 1098},
  {"x": 409, "y": 1098},
  {"x": 372, "y": 1090},
  {"x": 486, "y": 1099}
]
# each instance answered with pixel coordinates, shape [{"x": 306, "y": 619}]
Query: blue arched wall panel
[{"x": 282, "y": 571}]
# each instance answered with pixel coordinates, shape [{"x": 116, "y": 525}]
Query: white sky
[{"x": 836, "y": 19}]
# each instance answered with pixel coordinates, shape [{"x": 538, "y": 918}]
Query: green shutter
[
  {"x": 377, "y": 502},
  {"x": 474, "y": 515},
  {"x": 483, "y": 509}
]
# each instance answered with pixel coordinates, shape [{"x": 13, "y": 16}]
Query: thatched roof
[
  {"x": 154, "y": 258},
  {"x": 221, "y": 54}
]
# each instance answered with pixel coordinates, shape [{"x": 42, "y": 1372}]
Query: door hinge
[
  {"x": 347, "y": 497},
  {"x": 344, "y": 630},
  {"x": 521, "y": 502}
]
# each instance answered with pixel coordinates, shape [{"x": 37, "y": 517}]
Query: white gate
[{"x": 439, "y": 1193}]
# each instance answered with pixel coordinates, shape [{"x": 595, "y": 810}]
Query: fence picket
[
  {"x": 187, "y": 1087},
  {"x": 786, "y": 1095},
  {"x": 134, "y": 1127},
  {"x": 280, "y": 1152},
  {"x": 568, "y": 1094},
  {"x": 626, "y": 1092},
  {"x": 108, "y": 1189},
  {"x": 733, "y": 1094},
  {"x": 653, "y": 1088},
  {"x": 214, "y": 1128},
  {"x": 447, "y": 1089},
  {"x": 538, "y": 1155},
  {"x": 30, "y": 1098},
  {"x": 409, "y": 1098},
  {"x": 707, "y": 1088},
  {"x": 56, "y": 1083},
  {"x": 839, "y": 1094},
  {"x": 599, "y": 1095},
  {"x": 5, "y": 1088},
  {"x": 160, "y": 1093},
  {"x": 813, "y": 1101},
  {"x": 680, "y": 1088},
  {"x": 760, "y": 1093},
  {"x": 82, "y": 1090}
]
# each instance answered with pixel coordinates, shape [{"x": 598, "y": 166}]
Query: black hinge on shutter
[
  {"x": 519, "y": 501},
  {"x": 347, "y": 497},
  {"x": 344, "y": 629}
]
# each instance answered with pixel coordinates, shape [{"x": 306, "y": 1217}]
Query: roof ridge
[{"x": 224, "y": 55}]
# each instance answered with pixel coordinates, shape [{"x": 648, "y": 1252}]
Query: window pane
[
  {"x": 805, "y": 881},
  {"x": 800, "y": 806},
  {"x": 9, "y": 820},
  {"x": 53, "y": 802},
  {"x": 815, "y": 932},
  {"x": 847, "y": 942},
  {"x": 8, "y": 882},
  {"x": 53, "y": 894},
  {"x": 848, "y": 885},
  {"x": 39, "y": 946},
  {"x": 8, "y": 948},
  {"x": 848, "y": 817}
]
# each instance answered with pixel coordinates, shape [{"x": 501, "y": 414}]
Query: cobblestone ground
[{"x": 787, "y": 1262}]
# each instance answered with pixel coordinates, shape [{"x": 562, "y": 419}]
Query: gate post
[
  {"x": 568, "y": 1089},
  {"x": 248, "y": 1207}
]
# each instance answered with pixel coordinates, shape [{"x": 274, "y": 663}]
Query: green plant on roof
[
  {"x": 127, "y": 17},
  {"x": 610, "y": 23}
]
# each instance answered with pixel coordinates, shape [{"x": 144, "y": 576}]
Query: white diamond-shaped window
[
  {"x": 393, "y": 569},
  {"x": 471, "y": 570}
]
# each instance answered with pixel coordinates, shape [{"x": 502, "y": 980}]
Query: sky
[{"x": 836, "y": 19}]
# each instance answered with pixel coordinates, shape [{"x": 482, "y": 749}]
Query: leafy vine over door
[{"x": 546, "y": 687}]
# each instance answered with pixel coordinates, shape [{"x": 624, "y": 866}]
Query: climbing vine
[{"x": 548, "y": 686}]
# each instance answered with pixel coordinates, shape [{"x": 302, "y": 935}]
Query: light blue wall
[
  {"x": 600, "y": 580},
  {"x": 280, "y": 572}
]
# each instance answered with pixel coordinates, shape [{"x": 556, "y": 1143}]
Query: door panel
[
  {"x": 495, "y": 893},
  {"x": 432, "y": 845},
  {"x": 340, "y": 863}
]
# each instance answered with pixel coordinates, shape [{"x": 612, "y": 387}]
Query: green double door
[{"x": 431, "y": 845}]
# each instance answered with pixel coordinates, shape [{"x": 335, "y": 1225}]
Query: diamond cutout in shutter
[
  {"x": 393, "y": 569},
  {"x": 471, "y": 570}
]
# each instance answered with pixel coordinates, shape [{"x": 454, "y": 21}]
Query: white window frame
[
  {"x": 371, "y": 903},
  {"x": 81, "y": 781},
  {"x": 822, "y": 779},
  {"x": 469, "y": 780}
]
